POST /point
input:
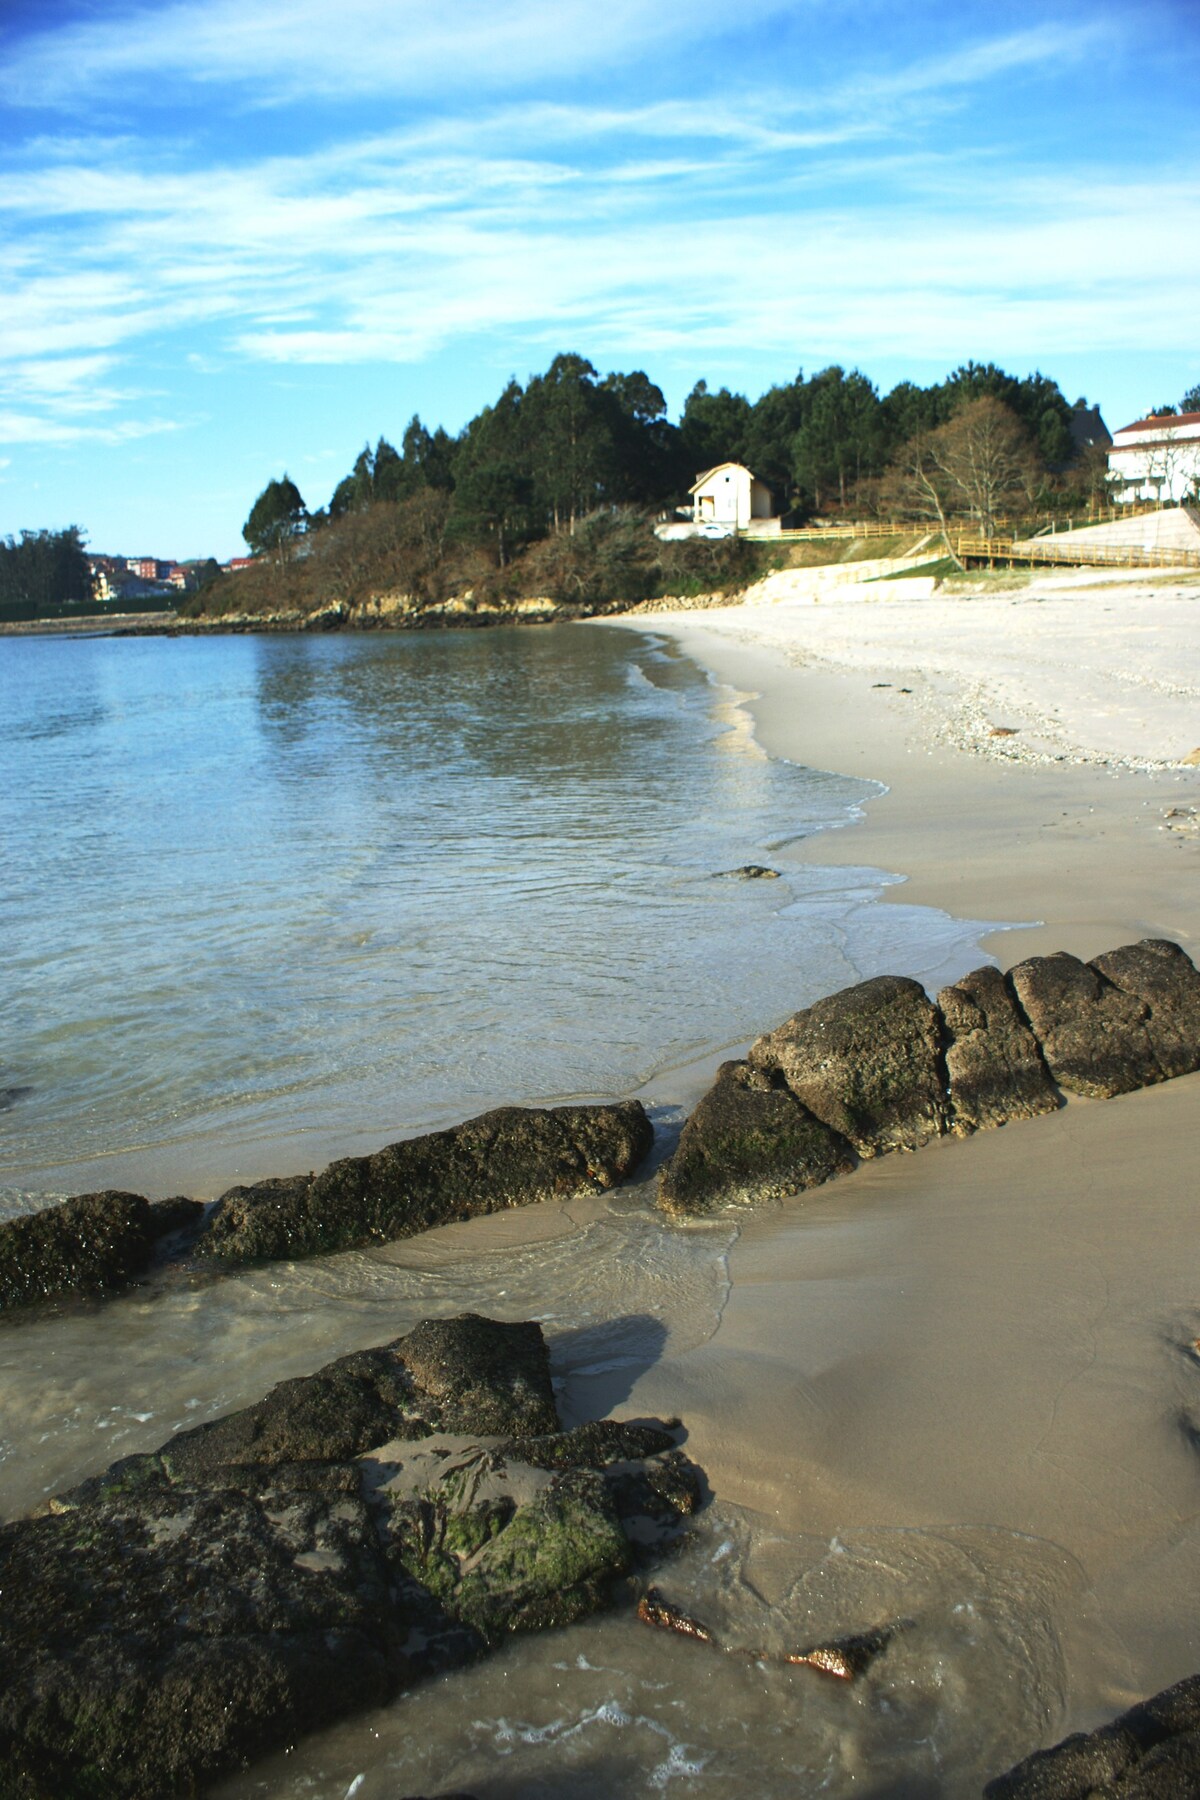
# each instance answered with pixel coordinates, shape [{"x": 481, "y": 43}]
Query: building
[
  {"x": 731, "y": 496},
  {"x": 724, "y": 501},
  {"x": 1156, "y": 459}
]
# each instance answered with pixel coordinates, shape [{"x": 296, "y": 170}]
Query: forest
[{"x": 552, "y": 489}]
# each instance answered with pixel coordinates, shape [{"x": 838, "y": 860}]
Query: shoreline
[
  {"x": 949, "y": 1386},
  {"x": 993, "y": 1334}
]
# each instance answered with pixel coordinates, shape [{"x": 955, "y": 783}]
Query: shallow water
[{"x": 270, "y": 900}]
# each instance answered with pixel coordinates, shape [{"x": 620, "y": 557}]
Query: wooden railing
[
  {"x": 1061, "y": 552},
  {"x": 1042, "y": 523}
]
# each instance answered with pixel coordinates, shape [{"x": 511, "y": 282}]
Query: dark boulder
[
  {"x": 1152, "y": 1752},
  {"x": 513, "y": 1156},
  {"x": 1099, "y": 1038},
  {"x": 1166, "y": 981},
  {"x": 310, "y": 1556},
  {"x": 867, "y": 1062},
  {"x": 92, "y": 1244},
  {"x": 749, "y": 1139},
  {"x": 993, "y": 1061}
]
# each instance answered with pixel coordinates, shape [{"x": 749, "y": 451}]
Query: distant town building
[
  {"x": 1156, "y": 458},
  {"x": 240, "y": 562}
]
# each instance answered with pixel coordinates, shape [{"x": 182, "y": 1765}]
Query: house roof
[
  {"x": 1163, "y": 420},
  {"x": 707, "y": 474}
]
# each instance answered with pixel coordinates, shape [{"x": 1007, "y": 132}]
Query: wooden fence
[{"x": 1060, "y": 552}]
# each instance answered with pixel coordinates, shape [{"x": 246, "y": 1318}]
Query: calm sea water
[
  {"x": 271, "y": 899},
  {"x": 268, "y": 900}
]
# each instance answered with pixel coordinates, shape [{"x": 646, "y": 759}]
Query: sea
[{"x": 268, "y": 900}]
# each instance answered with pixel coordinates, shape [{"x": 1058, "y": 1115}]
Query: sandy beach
[{"x": 993, "y": 1335}]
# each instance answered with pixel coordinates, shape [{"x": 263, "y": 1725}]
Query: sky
[{"x": 244, "y": 237}]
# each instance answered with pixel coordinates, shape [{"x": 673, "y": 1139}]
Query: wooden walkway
[{"x": 1052, "y": 552}]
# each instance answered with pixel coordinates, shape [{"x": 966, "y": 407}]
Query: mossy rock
[{"x": 749, "y": 1139}]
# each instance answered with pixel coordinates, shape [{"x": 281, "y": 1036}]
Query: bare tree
[{"x": 978, "y": 465}]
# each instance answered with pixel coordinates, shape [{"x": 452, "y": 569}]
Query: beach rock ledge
[
  {"x": 881, "y": 1067},
  {"x": 395, "y": 1514}
]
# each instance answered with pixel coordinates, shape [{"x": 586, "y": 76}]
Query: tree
[
  {"x": 649, "y": 463},
  {"x": 979, "y": 463},
  {"x": 841, "y": 439},
  {"x": 493, "y": 487},
  {"x": 714, "y": 427},
  {"x": 1190, "y": 402},
  {"x": 570, "y": 431},
  {"x": 45, "y": 569},
  {"x": 276, "y": 518}
]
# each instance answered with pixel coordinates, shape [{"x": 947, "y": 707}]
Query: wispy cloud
[
  {"x": 285, "y": 49},
  {"x": 683, "y": 223}
]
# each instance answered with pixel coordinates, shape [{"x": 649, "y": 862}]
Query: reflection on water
[{"x": 270, "y": 899}]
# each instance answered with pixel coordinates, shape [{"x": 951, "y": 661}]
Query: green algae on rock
[{"x": 274, "y": 1570}]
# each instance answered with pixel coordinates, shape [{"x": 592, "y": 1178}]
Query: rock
[
  {"x": 89, "y": 1245},
  {"x": 1164, "y": 978},
  {"x": 177, "y": 1218},
  {"x": 749, "y": 1139},
  {"x": 846, "y": 1658},
  {"x": 995, "y": 1066},
  {"x": 751, "y": 872},
  {"x": 1152, "y": 1752},
  {"x": 1094, "y": 1034},
  {"x": 312, "y": 1555},
  {"x": 867, "y": 1063},
  {"x": 513, "y": 1156}
]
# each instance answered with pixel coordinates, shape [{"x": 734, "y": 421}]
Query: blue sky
[{"x": 244, "y": 236}]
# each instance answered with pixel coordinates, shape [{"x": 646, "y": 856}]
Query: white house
[
  {"x": 731, "y": 496},
  {"x": 1156, "y": 458}
]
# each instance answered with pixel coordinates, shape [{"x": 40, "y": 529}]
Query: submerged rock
[
  {"x": 1101, "y": 1036},
  {"x": 749, "y": 1139},
  {"x": 1152, "y": 1752},
  {"x": 993, "y": 1061},
  {"x": 513, "y": 1156},
  {"x": 867, "y": 1063},
  {"x": 270, "y": 1572},
  {"x": 93, "y": 1244}
]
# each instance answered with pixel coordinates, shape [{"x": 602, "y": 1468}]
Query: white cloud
[{"x": 599, "y": 226}]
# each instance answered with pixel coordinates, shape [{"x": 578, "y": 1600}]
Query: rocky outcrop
[
  {"x": 879, "y": 1067},
  {"x": 1152, "y": 1752},
  {"x": 1125, "y": 1020},
  {"x": 100, "y": 1243},
  {"x": 995, "y": 1069},
  {"x": 393, "y": 1515},
  {"x": 513, "y": 1156},
  {"x": 749, "y": 1139},
  {"x": 867, "y": 1063},
  {"x": 93, "y": 1244}
]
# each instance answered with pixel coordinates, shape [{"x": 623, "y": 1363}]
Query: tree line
[
  {"x": 43, "y": 570},
  {"x": 543, "y": 456},
  {"x": 550, "y": 488}
]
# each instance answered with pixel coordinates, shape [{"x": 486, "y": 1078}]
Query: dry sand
[{"x": 997, "y": 1333}]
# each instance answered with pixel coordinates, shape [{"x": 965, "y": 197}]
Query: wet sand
[{"x": 998, "y": 1332}]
